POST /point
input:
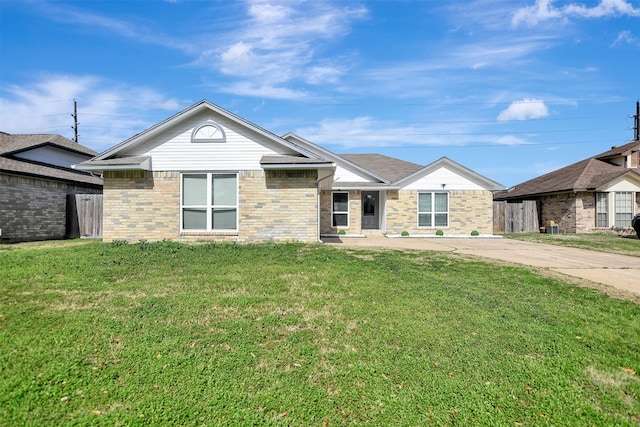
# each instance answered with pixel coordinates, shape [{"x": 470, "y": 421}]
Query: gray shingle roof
[
  {"x": 586, "y": 175},
  {"x": 14, "y": 144},
  {"x": 389, "y": 168}
]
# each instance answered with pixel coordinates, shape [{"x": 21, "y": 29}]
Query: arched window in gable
[{"x": 208, "y": 132}]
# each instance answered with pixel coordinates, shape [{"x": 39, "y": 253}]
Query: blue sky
[{"x": 510, "y": 89}]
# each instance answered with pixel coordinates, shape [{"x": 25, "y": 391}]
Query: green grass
[
  {"x": 602, "y": 242},
  {"x": 291, "y": 334}
]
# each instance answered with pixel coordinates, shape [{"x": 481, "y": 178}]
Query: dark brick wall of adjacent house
[{"x": 34, "y": 209}]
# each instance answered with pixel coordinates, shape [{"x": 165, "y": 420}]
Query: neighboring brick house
[
  {"x": 599, "y": 193},
  {"x": 35, "y": 179},
  {"x": 207, "y": 174}
]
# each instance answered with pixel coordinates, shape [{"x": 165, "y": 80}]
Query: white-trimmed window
[
  {"x": 340, "y": 210},
  {"x": 208, "y": 132},
  {"x": 209, "y": 202},
  {"x": 602, "y": 210},
  {"x": 433, "y": 209},
  {"x": 624, "y": 208}
]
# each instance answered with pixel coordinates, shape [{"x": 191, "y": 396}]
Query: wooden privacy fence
[
  {"x": 84, "y": 216},
  {"x": 515, "y": 217}
]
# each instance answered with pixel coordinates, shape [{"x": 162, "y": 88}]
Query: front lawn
[
  {"x": 292, "y": 334},
  {"x": 602, "y": 242}
]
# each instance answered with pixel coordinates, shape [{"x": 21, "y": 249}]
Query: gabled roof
[
  {"x": 189, "y": 112},
  {"x": 453, "y": 166},
  {"x": 11, "y": 146},
  {"x": 587, "y": 175}
]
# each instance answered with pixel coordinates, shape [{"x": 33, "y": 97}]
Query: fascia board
[
  {"x": 87, "y": 166},
  {"x": 272, "y": 166}
]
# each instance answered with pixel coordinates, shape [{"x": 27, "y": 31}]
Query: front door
[{"x": 370, "y": 210}]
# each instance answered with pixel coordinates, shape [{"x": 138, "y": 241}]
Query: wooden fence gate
[
  {"x": 518, "y": 217},
  {"x": 84, "y": 216}
]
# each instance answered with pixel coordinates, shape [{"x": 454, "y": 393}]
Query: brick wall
[
  {"x": 468, "y": 211},
  {"x": 355, "y": 212},
  {"x": 141, "y": 205},
  {"x": 575, "y": 212},
  {"x": 560, "y": 208},
  {"x": 35, "y": 209},
  {"x": 272, "y": 206}
]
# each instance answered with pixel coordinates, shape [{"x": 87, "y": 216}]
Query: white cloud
[
  {"x": 625, "y": 37},
  {"x": 108, "y": 112},
  {"x": 365, "y": 131},
  {"x": 280, "y": 42},
  {"x": 544, "y": 10},
  {"x": 524, "y": 110}
]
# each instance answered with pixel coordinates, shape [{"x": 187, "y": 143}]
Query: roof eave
[{"x": 276, "y": 166}]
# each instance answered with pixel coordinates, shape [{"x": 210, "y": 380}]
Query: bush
[
  {"x": 439, "y": 233},
  {"x": 342, "y": 232},
  {"x": 405, "y": 233},
  {"x": 475, "y": 233}
]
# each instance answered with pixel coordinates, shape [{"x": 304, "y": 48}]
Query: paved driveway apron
[{"x": 618, "y": 271}]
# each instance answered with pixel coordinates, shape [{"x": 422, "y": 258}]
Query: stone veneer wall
[
  {"x": 35, "y": 209},
  {"x": 272, "y": 206},
  {"x": 469, "y": 210}
]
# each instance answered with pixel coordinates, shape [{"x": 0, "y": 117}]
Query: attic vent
[{"x": 208, "y": 132}]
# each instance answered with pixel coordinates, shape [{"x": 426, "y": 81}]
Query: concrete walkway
[{"x": 620, "y": 272}]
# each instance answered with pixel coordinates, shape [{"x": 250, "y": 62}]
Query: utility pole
[
  {"x": 636, "y": 123},
  {"x": 75, "y": 121}
]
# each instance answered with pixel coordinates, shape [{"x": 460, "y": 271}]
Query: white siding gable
[
  {"x": 443, "y": 175},
  {"x": 624, "y": 184},
  {"x": 174, "y": 150},
  {"x": 343, "y": 175}
]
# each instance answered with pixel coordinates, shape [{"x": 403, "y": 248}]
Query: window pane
[
  {"x": 624, "y": 209},
  {"x": 442, "y": 220},
  {"x": 441, "y": 202},
  {"x": 424, "y": 202},
  {"x": 340, "y": 220},
  {"x": 194, "y": 219},
  {"x": 424, "y": 220},
  {"x": 602, "y": 209},
  {"x": 225, "y": 190},
  {"x": 194, "y": 190},
  {"x": 224, "y": 219},
  {"x": 340, "y": 202}
]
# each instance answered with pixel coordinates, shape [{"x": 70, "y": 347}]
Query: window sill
[{"x": 209, "y": 233}]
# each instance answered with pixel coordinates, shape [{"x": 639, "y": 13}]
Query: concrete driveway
[{"x": 620, "y": 272}]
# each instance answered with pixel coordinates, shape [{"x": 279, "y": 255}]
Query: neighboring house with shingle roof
[
  {"x": 35, "y": 179},
  {"x": 596, "y": 194},
  {"x": 207, "y": 174}
]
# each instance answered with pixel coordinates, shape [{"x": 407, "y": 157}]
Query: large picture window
[
  {"x": 340, "y": 210},
  {"x": 433, "y": 209},
  {"x": 209, "y": 201}
]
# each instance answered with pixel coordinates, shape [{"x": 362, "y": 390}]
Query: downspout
[{"x": 318, "y": 210}]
